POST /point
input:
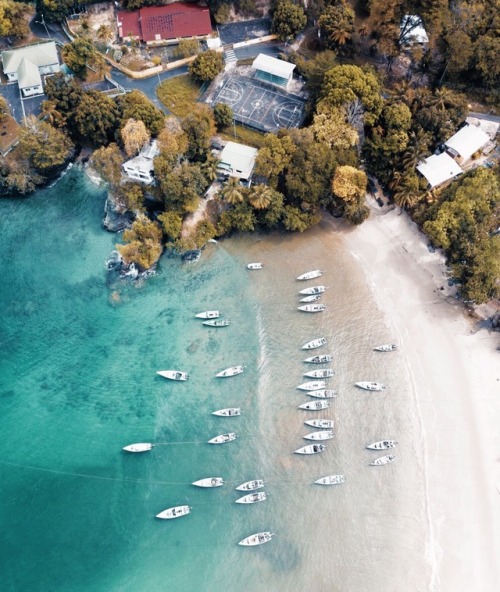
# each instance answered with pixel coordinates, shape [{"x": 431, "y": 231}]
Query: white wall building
[
  {"x": 237, "y": 160},
  {"x": 141, "y": 167},
  {"x": 466, "y": 142},
  {"x": 27, "y": 65},
  {"x": 438, "y": 169},
  {"x": 272, "y": 70}
]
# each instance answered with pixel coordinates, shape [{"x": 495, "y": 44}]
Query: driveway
[{"x": 244, "y": 30}]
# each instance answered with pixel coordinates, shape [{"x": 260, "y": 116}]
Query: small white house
[
  {"x": 27, "y": 65},
  {"x": 438, "y": 169},
  {"x": 465, "y": 142},
  {"x": 141, "y": 167},
  {"x": 272, "y": 70},
  {"x": 237, "y": 160}
]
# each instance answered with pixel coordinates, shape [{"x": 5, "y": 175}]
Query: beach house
[
  {"x": 468, "y": 140},
  {"x": 141, "y": 167},
  {"x": 27, "y": 65},
  {"x": 438, "y": 169},
  {"x": 237, "y": 160}
]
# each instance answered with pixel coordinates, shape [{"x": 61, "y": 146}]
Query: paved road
[
  {"x": 243, "y": 30},
  {"x": 252, "y": 51},
  {"x": 48, "y": 31}
]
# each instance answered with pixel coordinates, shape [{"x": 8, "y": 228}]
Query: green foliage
[
  {"x": 66, "y": 94},
  {"x": 233, "y": 192},
  {"x": 199, "y": 127},
  {"x": 288, "y": 20},
  {"x": 274, "y": 157},
  {"x": 182, "y": 187},
  {"x": 295, "y": 219},
  {"x": 223, "y": 115},
  {"x": 135, "y": 105},
  {"x": 78, "y": 54},
  {"x": 314, "y": 70},
  {"x": 4, "y": 108},
  {"x": 207, "y": 65},
  {"x": 54, "y": 10},
  {"x": 132, "y": 196},
  {"x": 272, "y": 216},
  {"x": 240, "y": 217},
  {"x": 344, "y": 84},
  {"x": 171, "y": 224},
  {"x": 223, "y": 13},
  {"x": 480, "y": 277},
  {"x": 43, "y": 146},
  {"x": 204, "y": 231},
  {"x": 13, "y": 20},
  {"x": 96, "y": 118},
  {"x": 486, "y": 58},
  {"x": 187, "y": 48},
  {"x": 108, "y": 161},
  {"x": 337, "y": 23},
  {"x": 356, "y": 213},
  {"x": 143, "y": 245},
  {"x": 349, "y": 184}
]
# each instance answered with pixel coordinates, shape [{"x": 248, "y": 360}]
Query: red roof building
[{"x": 161, "y": 23}]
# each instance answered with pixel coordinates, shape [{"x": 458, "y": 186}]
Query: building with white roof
[
  {"x": 465, "y": 142},
  {"x": 26, "y": 65},
  {"x": 141, "y": 167},
  {"x": 237, "y": 160},
  {"x": 438, "y": 169},
  {"x": 272, "y": 70},
  {"x": 412, "y": 31}
]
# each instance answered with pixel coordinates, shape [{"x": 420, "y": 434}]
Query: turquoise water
[{"x": 78, "y": 382}]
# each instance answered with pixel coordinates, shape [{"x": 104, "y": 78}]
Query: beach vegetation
[
  {"x": 142, "y": 243},
  {"x": 131, "y": 195},
  {"x": 349, "y": 183},
  {"x": 42, "y": 146},
  {"x": 274, "y": 157},
  {"x": 295, "y": 219},
  {"x": 204, "y": 232},
  {"x": 207, "y": 65},
  {"x": 240, "y": 217},
  {"x": 181, "y": 187},
  {"x": 171, "y": 223}
]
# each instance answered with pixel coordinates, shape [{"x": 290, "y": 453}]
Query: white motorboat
[
  {"x": 259, "y": 538},
  {"x": 324, "y": 373},
  {"x": 382, "y": 445},
  {"x": 321, "y": 435},
  {"x": 313, "y": 290},
  {"x": 370, "y": 386},
  {"x": 233, "y": 371},
  {"x": 312, "y": 385},
  {"x": 320, "y": 423},
  {"x": 387, "y": 347},
  {"x": 252, "y": 498},
  {"x": 310, "y": 275},
  {"x": 314, "y": 405},
  {"x": 312, "y": 298},
  {"x": 324, "y": 359},
  {"x": 209, "y": 482},
  {"x": 139, "y": 447},
  {"x": 208, "y": 314},
  {"x": 251, "y": 485},
  {"x": 315, "y": 343},
  {"x": 223, "y": 438},
  {"x": 331, "y": 480},
  {"x": 323, "y": 393},
  {"x": 312, "y": 308},
  {"x": 254, "y": 266},
  {"x": 383, "y": 460},
  {"x": 173, "y": 374},
  {"x": 228, "y": 412},
  {"x": 216, "y": 323},
  {"x": 175, "y": 512},
  {"x": 311, "y": 449}
]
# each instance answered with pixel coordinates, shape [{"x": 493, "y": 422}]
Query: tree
[
  {"x": 79, "y": 54},
  {"x": 288, "y": 19},
  {"x": 187, "y": 48},
  {"x": 134, "y": 136},
  {"x": 207, "y": 65},
  {"x": 295, "y": 219},
  {"x": 210, "y": 168},
  {"x": 54, "y": 10},
  {"x": 349, "y": 183},
  {"x": 135, "y": 105},
  {"x": 66, "y": 93},
  {"x": 241, "y": 217},
  {"x": 96, "y": 119},
  {"x": 260, "y": 196},
  {"x": 105, "y": 34},
  {"x": 142, "y": 243},
  {"x": 232, "y": 192},
  {"x": 182, "y": 187},
  {"x": 337, "y": 23},
  {"x": 223, "y": 115},
  {"x": 314, "y": 69},
  {"x": 13, "y": 21},
  {"x": 171, "y": 224},
  {"x": 131, "y": 196},
  {"x": 52, "y": 115},
  {"x": 43, "y": 146},
  {"x": 108, "y": 161},
  {"x": 486, "y": 60},
  {"x": 274, "y": 156},
  {"x": 330, "y": 126},
  {"x": 199, "y": 127},
  {"x": 4, "y": 108}
]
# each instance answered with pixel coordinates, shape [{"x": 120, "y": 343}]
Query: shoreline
[{"x": 455, "y": 371}]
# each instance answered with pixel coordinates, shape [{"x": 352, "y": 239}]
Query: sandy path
[{"x": 456, "y": 376}]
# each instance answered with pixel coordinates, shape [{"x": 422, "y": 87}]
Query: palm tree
[
  {"x": 340, "y": 35},
  {"x": 260, "y": 196},
  {"x": 105, "y": 34},
  {"x": 52, "y": 115},
  {"x": 417, "y": 147},
  {"x": 405, "y": 198},
  {"x": 232, "y": 192},
  {"x": 209, "y": 168}
]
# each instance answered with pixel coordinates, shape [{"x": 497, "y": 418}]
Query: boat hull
[
  {"x": 251, "y": 485},
  {"x": 254, "y": 266},
  {"x": 321, "y": 423},
  {"x": 315, "y": 343},
  {"x": 383, "y": 460},
  {"x": 233, "y": 371},
  {"x": 331, "y": 480},
  {"x": 172, "y": 513},
  {"x": 138, "y": 447},
  {"x": 322, "y": 393},
  {"x": 315, "y": 405},
  {"x": 319, "y": 359},
  {"x": 229, "y": 412},
  {"x": 176, "y": 375},
  {"x": 311, "y": 449},
  {"x": 223, "y": 438},
  {"x": 313, "y": 290},
  {"x": 322, "y": 435},
  {"x": 208, "y": 314},
  {"x": 312, "y": 385},
  {"x": 252, "y": 498},
  {"x": 382, "y": 445},
  {"x": 312, "y": 308},
  {"x": 310, "y": 275},
  {"x": 325, "y": 373},
  {"x": 209, "y": 482},
  {"x": 370, "y": 386}
]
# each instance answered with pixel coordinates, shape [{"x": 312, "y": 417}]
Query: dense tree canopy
[
  {"x": 199, "y": 127},
  {"x": 143, "y": 245},
  {"x": 107, "y": 161},
  {"x": 288, "y": 19},
  {"x": 134, "y": 136},
  {"x": 13, "y": 20},
  {"x": 337, "y": 24},
  {"x": 136, "y": 105},
  {"x": 43, "y": 146},
  {"x": 207, "y": 65},
  {"x": 78, "y": 54},
  {"x": 96, "y": 119}
]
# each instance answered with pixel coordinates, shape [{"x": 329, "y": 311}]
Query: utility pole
[{"x": 43, "y": 23}]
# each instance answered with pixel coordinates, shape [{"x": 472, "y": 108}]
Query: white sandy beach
[{"x": 456, "y": 378}]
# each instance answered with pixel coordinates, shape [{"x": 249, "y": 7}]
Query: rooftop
[
  {"x": 439, "y": 168},
  {"x": 28, "y": 74},
  {"x": 41, "y": 54},
  {"x": 467, "y": 140},
  {"x": 238, "y": 160},
  {"x": 273, "y": 66}
]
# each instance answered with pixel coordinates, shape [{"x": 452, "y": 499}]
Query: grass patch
[
  {"x": 244, "y": 135},
  {"x": 179, "y": 94}
]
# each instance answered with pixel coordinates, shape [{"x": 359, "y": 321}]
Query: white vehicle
[
  {"x": 382, "y": 445},
  {"x": 223, "y": 438},
  {"x": 312, "y": 308},
  {"x": 324, "y": 373},
  {"x": 313, "y": 290},
  {"x": 320, "y": 423},
  {"x": 139, "y": 447},
  {"x": 383, "y": 460},
  {"x": 208, "y": 314},
  {"x": 251, "y": 485},
  {"x": 315, "y": 343},
  {"x": 216, "y": 323},
  {"x": 321, "y": 435},
  {"x": 315, "y": 405},
  {"x": 387, "y": 347},
  {"x": 331, "y": 480},
  {"x": 370, "y": 386},
  {"x": 311, "y": 449},
  {"x": 323, "y": 393},
  {"x": 312, "y": 385},
  {"x": 233, "y": 371},
  {"x": 175, "y": 512},
  {"x": 259, "y": 538},
  {"x": 254, "y": 266},
  {"x": 173, "y": 374},
  {"x": 319, "y": 359},
  {"x": 310, "y": 275},
  {"x": 252, "y": 498},
  {"x": 312, "y": 298},
  {"x": 228, "y": 412},
  {"x": 209, "y": 482}
]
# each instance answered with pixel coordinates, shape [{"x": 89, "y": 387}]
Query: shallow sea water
[{"x": 78, "y": 382}]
